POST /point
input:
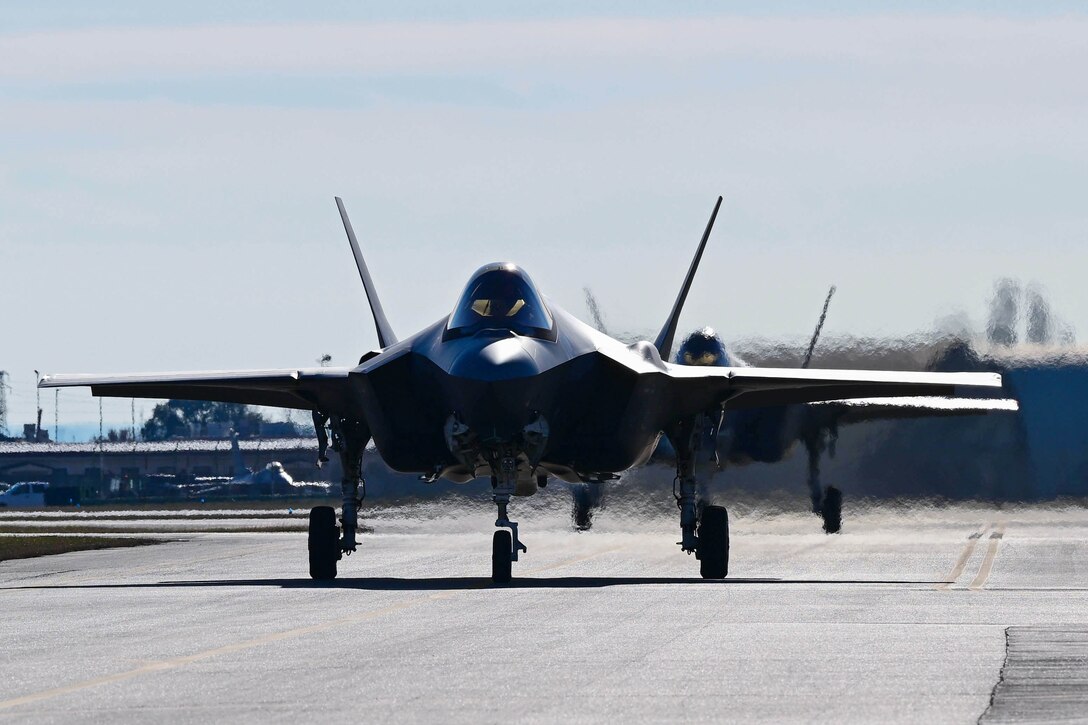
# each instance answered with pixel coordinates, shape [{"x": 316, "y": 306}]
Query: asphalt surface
[{"x": 906, "y": 616}]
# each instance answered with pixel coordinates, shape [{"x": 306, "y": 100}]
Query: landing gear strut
[
  {"x": 327, "y": 542},
  {"x": 355, "y": 435},
  {"x": 505, "y": 545},
  {"x": 704, "y": 529}
]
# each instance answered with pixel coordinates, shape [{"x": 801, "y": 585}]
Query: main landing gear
[
  {"x": 704, "y": 528},
  {"x": 505, "y": 545},
  {"x": 324, "y": 543},
  {"x": 586, "y": 499},
  {"x": 327, "y": 542},
  {"x": 713, "y": 551},
  {"x": 826, "y": 500},
  {"x": 831, "y": 510}
]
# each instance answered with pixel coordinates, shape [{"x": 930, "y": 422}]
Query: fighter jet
[
  {"x": 510, "y": 388},
  {"x": 270, "y": 479},
  {"x": 770, "y": 434}
]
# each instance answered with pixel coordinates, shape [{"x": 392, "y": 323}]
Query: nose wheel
[{"x": 505, "y": 545}]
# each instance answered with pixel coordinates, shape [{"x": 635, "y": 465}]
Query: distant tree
[
  {"x": 117, "y": 435},
  {"x": 1040, "y": 327},
  {"x": 186, "y": 418},
  {"x": 1004, "y": 313}
]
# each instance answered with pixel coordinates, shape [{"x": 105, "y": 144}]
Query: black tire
[
  {"x": 582, "y": 512},
  {"x": 502, "y": 544},
  {"x": 324, "y": 543},
  {"x": 713, "y": 536},
  {"x": 831, "y": 510}
]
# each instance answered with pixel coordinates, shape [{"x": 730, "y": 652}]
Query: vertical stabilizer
[
  {"x": 385, "y": 332},
  {"x": 668, "y": 332},
  {"x": 819, "y": 328}
]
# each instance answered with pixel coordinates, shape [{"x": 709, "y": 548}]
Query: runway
[{"x": 931, "y": 614}]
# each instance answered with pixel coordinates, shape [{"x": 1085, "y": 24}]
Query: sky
[{"x": 167, "y": 171}]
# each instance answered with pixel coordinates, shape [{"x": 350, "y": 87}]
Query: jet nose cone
[{"x": 501, "y": 359}]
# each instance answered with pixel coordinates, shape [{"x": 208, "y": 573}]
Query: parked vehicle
[{"x": 29, "y": 494}]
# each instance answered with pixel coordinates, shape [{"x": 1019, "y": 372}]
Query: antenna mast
[{"x": 3, "y": 403}]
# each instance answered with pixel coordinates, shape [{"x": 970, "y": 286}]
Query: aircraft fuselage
[{"x": 451, "y": 407}]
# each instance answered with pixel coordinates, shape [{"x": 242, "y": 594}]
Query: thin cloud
[{"x": 99, "y": 54}]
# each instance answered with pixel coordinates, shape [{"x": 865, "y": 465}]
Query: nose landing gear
[{"x": 505, "y": 545}]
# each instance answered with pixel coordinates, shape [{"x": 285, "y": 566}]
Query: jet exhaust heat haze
[{"x": 510, "y": 387}]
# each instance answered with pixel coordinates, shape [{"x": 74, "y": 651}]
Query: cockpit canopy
[
  {"x": 500, "y": 297},
  {"x": 703, "y": 347}
]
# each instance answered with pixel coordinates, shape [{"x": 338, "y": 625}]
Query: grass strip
[
  {"x": 25, "y": 547},
  {"x": 149, "y": 529}
]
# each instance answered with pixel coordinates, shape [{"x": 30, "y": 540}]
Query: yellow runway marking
[
  {"x": 988, "y": 562},
  {"x": 969, "y": 549},
  {"x": 175, "y": 662}
]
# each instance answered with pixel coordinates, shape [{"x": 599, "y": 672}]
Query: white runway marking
[
  {"x": 969, "y": 548},
  {"x": 227, "y": 627},
  {"x": 988, "y": 562}
]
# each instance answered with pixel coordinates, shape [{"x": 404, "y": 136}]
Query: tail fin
[
  {"x": 668, "y": 332},
  {"x": 595, "y": 310},
  {"x": 385, "y": 332},
  {"x": 819, "y": 327}
]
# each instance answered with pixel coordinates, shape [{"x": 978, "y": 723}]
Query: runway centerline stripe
[
  {"x": 988, "y": 562},
  {"x": 176, "y": 662},
  {"x": 969, "y": 549}
]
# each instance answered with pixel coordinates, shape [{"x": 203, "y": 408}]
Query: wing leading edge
[
  {"x": 702, "y": 388},
  {"x": 325, "y": 389},
  {"x": 863, "y": 410}
]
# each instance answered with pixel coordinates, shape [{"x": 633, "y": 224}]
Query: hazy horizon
[{"x": 167, "y": 173}]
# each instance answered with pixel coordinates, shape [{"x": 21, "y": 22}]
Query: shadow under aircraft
[
  {"x": 744, "y": 435},
  {"x": 510, "y": 388}
]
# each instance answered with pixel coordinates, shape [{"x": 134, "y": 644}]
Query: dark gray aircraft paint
[
  {"x": 770, "y": 434},
  {"x": 511, "y": 388}
]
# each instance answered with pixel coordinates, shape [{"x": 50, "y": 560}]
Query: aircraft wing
[
  {"x": 863, "y": 410},
  {"x": 325, "y": 389},
  {"x": 702, "y": 388}
]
